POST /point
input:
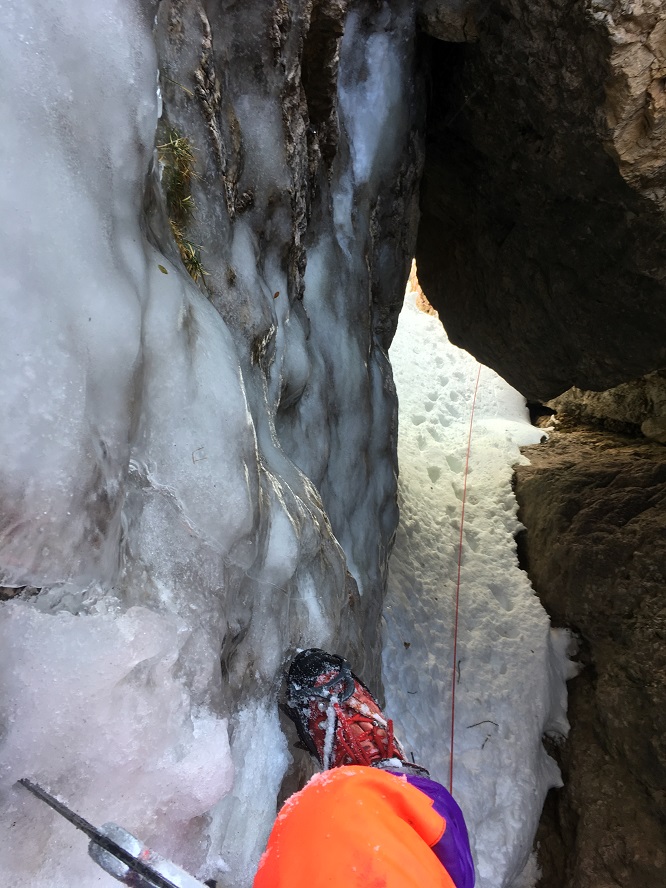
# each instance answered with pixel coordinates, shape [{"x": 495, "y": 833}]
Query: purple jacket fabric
[{"x": 453, "y": 848}]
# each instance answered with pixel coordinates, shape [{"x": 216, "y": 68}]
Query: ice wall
[
  {"x": 195, "y": 479},
  {"x": 309, "y": 257}
]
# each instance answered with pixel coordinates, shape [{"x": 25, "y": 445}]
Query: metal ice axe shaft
[{"x": 120, "y": 853}]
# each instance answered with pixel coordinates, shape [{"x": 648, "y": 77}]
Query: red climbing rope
[{"x": 460, "y": 548}]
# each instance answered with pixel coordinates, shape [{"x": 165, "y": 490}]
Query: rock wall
[
  {"x": 594, "y": 505},
  {"x": 633, "y": 406},
  {"x": 542, "y": 242}
]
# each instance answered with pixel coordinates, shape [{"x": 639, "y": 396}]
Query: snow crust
[{"x": 511, "y": 666}]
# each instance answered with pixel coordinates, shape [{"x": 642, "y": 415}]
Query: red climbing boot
[{"x": 337, "y": 718}]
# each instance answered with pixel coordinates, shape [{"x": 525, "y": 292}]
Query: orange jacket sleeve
[{"x": 355, "y": 827}]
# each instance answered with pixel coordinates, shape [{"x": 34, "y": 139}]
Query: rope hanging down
[{"x": 457, "y": 597}]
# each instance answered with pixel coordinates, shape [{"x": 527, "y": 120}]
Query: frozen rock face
[
  {"x": 594, "y": 505},
  {"x": 542, "y": 242},
  {"x": 198, "y": 477},
  {"x": 309, "y": 136}
]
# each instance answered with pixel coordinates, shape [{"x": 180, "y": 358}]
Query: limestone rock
[
  {"x": 543, "y": 236},
  {"x": 595, "y": 549},
  {"x": 453, "y": 20},
  {"x": 640, "y": 404}
]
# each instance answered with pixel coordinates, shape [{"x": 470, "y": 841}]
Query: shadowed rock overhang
[{"x": 542, "y": 242}]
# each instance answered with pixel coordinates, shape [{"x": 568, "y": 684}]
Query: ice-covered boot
[{"x": 337, "y": 718}]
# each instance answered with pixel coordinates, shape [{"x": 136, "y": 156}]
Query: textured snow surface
[{"x": 511, "y": 666}]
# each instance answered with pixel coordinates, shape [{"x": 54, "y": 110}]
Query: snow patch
[{"x": 511, "y": 666}]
